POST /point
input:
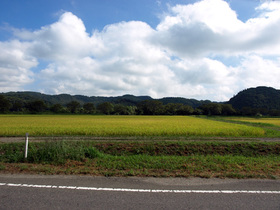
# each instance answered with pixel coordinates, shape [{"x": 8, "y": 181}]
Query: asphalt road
[{"x": 83, "y": 192}]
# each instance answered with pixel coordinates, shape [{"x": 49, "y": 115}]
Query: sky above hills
[{"x": 208, "y": 49}]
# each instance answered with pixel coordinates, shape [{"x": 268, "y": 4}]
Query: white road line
[{"x": 140, "y": 190}]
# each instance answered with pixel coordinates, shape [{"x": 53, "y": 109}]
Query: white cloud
[
  {"x": 174, "y": 59},
  {"x": 199, "y": 29},
  {"x": 214, "y": 14},
  {"x": 258, "y": 71},
  {"x": 15, "y": 65},
  {"x": 62, "y": 40},
  {"x": 212, "y": 27},
  {"x": 269, "y": 6},
  {"x": 121, "y": 59}
]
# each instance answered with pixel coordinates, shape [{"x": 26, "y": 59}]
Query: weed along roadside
[
  {"x": 161, "y": 146},
  {"x": 149, "y": 158}
]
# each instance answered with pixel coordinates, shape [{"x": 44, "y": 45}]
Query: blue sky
[
  {"x": 208, "y": 49},
  {"x": 96, "y": 14}
]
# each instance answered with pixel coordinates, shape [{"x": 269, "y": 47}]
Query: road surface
[{"x": 84, "y": 192}]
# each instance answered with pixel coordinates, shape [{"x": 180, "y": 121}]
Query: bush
[{"x": 58, "y": 152}]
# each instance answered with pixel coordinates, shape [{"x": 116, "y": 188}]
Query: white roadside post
[{"x": 26, "y": 145}]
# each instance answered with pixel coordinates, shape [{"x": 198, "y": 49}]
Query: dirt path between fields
[{"x": 91, "y": 138}]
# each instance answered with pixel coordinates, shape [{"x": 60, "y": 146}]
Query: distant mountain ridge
[
  {"x": 128, "y": 100},
  {"x": 259, "y": 97}
]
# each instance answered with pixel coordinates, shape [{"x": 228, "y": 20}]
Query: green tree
[
  {"x": 18, "y": 106},
  {"x": 185, "y": 110},
  {"x": 5, "y": 105},
  {"x": 171, "y": 108},
  {"x": 274, "y": 112},
  {"x": 89, "y": 108},
  {"x": 228, "y": 110},
  {"x": 212, "y": 109},
  {"x": 36, "y": 106},
  {"x": 105, "y": 108},
  {"x": 131, "y": 110},
  {"x": 73, "y": 106},
  {"x": 120, "y": 109},
  {"x": 249, "y": 111},
  {"x": 57, "y": 108},
  {"x": 150, "y": 107},
  {"x": 198, "y": 111}
]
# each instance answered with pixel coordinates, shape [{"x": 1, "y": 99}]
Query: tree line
[
  {"x": 250, "y": 102},
  {"x": 146, "y": 107}
]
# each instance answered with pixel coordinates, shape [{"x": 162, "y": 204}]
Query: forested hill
[
  {"x": 64, "y": 99},
  {"x": 259, "y": 97},
  {"x": 254, "y": 98}
]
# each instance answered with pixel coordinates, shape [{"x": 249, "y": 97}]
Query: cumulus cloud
[
  {"x": 212, "y": 27},
  {"x": 15, "y": 65},
  {"x": 257, "y": 69},
  {"x": 182, "y": 56},
  {"x": 62, "y": 40}
]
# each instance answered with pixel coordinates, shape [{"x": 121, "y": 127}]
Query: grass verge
[{"x": 159, "y": 159}]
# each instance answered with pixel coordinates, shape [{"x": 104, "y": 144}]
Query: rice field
[
  {"x": 266, "y": 121},
  {"x": 121, "y": 126}
]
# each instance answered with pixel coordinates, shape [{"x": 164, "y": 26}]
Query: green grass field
[{"x": 106, "y": 126}]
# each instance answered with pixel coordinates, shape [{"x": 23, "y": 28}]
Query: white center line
[{"x": 140, "y": 190}]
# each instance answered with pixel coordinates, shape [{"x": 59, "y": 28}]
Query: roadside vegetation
[{"x": 160, "y": 159}]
